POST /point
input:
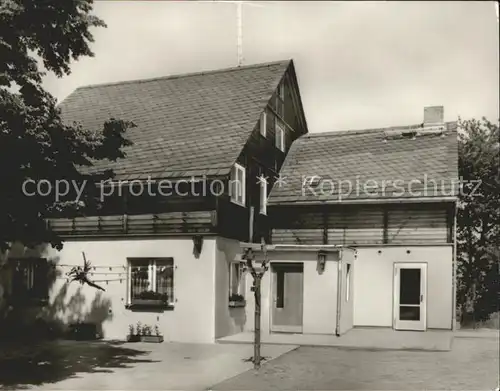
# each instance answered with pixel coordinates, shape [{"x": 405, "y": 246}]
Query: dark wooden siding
[
  {"x": 260, "y": 156},
  {"x": 361, "y": 225}
]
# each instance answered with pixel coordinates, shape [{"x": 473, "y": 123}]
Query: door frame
[
  {"x": 272, "y": 299},
  {"x": 410, "y": 324}
]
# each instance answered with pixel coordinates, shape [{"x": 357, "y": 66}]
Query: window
[
  {"x": 263, "y": 195},
  {"x": 280, "y": 289},
  {"x": 348, "y": 282},
  {"x": 29, "y": 279},
  {"x": 236, "y": 285},
  {"x": 263, "y": 124},
  {"x": 280, "y": 100},
  {"x": 151, "y": 281},
  {"x": 237, "y": 185},
  {"x": 235, "y": 279},
  {"x": 280, "y": 135}
]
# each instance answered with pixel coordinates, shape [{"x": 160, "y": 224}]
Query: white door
[
  {"x": 287, "y": 297},
  {"x": 410, "y": 296}
]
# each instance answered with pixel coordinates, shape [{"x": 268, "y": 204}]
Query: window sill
[
  {"x": 242, "y": 204},
  {"x": 29, "y": 302},
  {"x": 149, "y": 304},
  {"x": 237, "y": 304}
]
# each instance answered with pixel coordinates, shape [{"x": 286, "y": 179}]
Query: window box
[
  {"x": 149, "y": 302},
  {"x": 237, "y": 304},
  {"x": 145, "y": 338}
]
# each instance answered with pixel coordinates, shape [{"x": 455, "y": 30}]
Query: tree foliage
[
  {"x": 35, "y": 143},
  {"x": 478, "y": 231}
]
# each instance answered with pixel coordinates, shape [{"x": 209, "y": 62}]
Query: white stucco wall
[
  {"x": 374, "y": 280},
  {"x": 191, "y": 320},
  {"x": 320, "y": 292}
]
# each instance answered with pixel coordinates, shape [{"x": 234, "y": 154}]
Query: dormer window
[
  {"x": 237, "y": 184},
  {"x": 280, "y": 100},
  {"x": 280, "y": 135},
  {"x": 263, "y": 124}
]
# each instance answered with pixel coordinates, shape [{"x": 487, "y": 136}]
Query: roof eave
[{"x": 413, "y": 200}]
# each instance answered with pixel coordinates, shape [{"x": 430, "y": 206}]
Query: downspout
[
  {"x": 339, "y": 293},
  {"x": 454, "y": 280}
]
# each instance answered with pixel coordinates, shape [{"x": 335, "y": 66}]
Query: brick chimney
[{"x": 434, "y": 117}]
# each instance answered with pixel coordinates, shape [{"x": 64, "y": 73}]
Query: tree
[
  {"x": 478, "y": 228},
  {"x": 257, "y": 273},
  {"x": 35, "y": 144}
]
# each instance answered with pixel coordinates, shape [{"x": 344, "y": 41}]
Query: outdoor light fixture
[
  {"x": 198, "y": 243},
  {"x": 321, "y": 260}
]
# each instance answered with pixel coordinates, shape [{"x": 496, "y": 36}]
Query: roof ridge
[
  {"x": 372, "y": 130},
  {"x": 189, "y": 74}
]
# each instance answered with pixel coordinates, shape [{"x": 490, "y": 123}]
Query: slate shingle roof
[
  {"x": 187, "y": 125},
  {"x": 357, "y": 162}
]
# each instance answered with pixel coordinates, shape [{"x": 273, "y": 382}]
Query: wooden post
[{"x": 256, "y": 346}]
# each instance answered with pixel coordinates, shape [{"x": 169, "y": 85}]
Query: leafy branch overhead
[{"x": 35, "y": 142}]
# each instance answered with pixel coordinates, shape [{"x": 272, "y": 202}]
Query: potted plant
[
  {"x": 144, "y": 333},
  {"x": 236, "y": 300},
  {"x": 150, "y": 298}
]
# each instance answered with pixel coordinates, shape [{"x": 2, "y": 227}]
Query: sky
[{"x": 359, "y": 64}]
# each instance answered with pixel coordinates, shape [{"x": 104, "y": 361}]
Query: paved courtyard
[
  {"x": 473, "y": 364},
  {"x": 69, "y": 365}
]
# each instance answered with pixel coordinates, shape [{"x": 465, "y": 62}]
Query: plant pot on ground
[{"x": 144, "y": 333}]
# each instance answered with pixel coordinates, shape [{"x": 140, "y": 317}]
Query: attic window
[
  {"x": 280, "y": 135},
  {"x": 237, "y": 184},
  {"x": 280, "y": 100},
  {"x": 263, "y": 124}
]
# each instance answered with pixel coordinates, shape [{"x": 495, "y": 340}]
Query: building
[
  {"x": 363, "y": 231},
  {"x": 164, "y": 255}
]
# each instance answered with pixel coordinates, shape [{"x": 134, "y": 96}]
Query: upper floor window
[
  {"x": 237, "y": 185},
  {"x": 263, "y": 195},
  {"x": 280, "y": 100},
  {"x": 280, "y": 135},
  {"x": 151, "y": 281},
  {"x": 263, "y": 124}
]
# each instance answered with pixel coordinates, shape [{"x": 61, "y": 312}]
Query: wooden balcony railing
[{"x": 136, "y": 225}]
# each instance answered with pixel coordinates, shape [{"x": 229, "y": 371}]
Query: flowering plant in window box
[
  {"x": 144, "y": 333},
  {"x": 236, "y": 300},
  {"x": 150, "y": 298}
]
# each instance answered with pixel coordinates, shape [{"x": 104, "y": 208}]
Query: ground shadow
[{"x": 53, "y": 361}]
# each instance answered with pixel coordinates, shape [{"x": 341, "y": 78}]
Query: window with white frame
[
  {"x": 263, "y": 124},
  {"x": 348, "y": 282},
  {"x": 263, "y": 195},
  {"x": 236, "y": 282},
  {"x": 237, "y": 185},
  {"x": 280, "y": 135},
  {"x": 151, "y": 281},
  {"x": 280, "y": 100}
]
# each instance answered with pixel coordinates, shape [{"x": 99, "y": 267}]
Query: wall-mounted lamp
[
  {"x": 321, "y": 261},
  {"x": 198, "y": 244}
]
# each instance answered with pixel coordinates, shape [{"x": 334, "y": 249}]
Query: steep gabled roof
[
  {"x": 369, "y": 164},
  {"x": 187, "y": 125}
]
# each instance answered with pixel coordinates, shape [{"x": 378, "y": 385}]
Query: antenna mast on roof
[{"x": 239, "y": 23}]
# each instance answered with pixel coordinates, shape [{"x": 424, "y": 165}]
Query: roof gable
[
  {"x": 187, "y": 125},
  {"x": 369, "y": 164}
]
